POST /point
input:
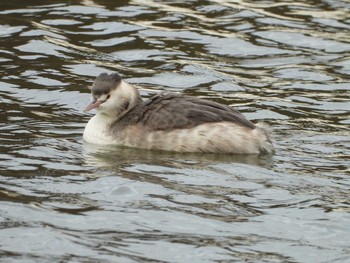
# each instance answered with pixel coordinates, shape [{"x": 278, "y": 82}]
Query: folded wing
[{"x": 175, "y": 111}]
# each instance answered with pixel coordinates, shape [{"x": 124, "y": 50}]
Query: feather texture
[{"x": 168, "y": 111}]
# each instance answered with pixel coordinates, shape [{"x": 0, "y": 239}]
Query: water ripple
[{"x": 283, "y": 63}]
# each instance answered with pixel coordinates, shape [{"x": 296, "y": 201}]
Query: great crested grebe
[{"x": 169, "y": 121}]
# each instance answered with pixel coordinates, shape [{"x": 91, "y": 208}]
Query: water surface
[{"x": 284, "y": 63}]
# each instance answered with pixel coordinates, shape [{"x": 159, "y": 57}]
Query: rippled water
[{"x": 285, "y": 63}]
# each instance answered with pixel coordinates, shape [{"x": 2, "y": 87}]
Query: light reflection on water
[{"x": 286, "y": 64}]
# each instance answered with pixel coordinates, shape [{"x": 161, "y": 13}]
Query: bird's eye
[{"x": 108, "y": 96}]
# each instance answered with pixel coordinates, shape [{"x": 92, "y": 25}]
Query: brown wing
[{"x": 175, "y": 111}]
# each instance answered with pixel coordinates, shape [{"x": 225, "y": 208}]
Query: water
[{"x": 284, "y": 63}]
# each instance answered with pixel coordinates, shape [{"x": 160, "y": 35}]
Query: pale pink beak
[{"x": 94, "y": 104}]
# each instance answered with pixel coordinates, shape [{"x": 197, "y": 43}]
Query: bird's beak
[{"x": 94, "y": 104}]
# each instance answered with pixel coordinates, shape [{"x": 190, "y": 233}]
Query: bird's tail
[{"x": 264, "y": 137}]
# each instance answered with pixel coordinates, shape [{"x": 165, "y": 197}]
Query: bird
[{"x": 169, "y": 122}]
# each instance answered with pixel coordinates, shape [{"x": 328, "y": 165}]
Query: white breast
[{"x": 96, "y": 130}]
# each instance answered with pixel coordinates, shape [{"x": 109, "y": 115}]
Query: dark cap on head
[{"x": 104, "y": 83}]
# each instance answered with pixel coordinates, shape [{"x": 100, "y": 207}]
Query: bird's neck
[{"x": 128, "y": 98}]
